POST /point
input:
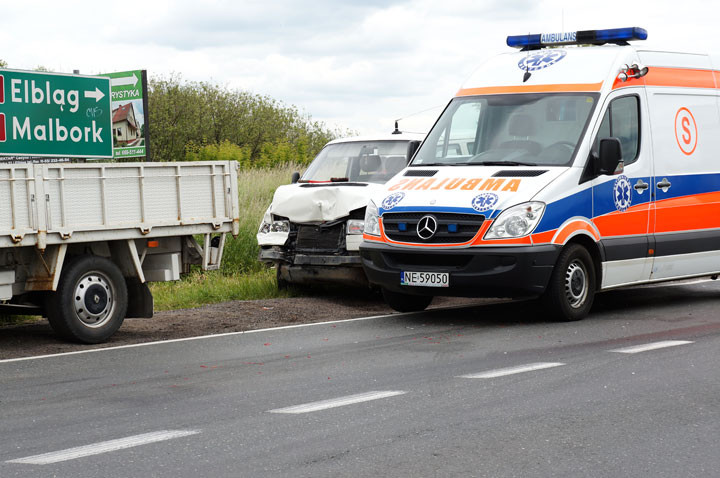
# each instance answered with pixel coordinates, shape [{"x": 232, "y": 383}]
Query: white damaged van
[
  {"x": 312, "y": 229},
  {"x": 556, "y": 173}
]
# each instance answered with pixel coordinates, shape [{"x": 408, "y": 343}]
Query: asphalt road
[{"x": 486, "y": 391}]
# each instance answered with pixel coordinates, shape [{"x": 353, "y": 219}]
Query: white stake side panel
[{"x": 114, "y": 201}]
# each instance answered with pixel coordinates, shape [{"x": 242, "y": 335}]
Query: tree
[
  {"x": 3, "y": 63},
  {"x": 201, "y": 119}
]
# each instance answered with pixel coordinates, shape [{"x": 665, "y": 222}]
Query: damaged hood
[
  {"x": 310, "y": 202},
  {"x": 473, "y": 189}
]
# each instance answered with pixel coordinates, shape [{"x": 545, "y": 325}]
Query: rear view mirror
[
  {"x": 610, "y": 156},
  {"x": 295, "y": 177}
]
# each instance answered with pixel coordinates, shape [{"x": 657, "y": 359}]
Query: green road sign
[
  {"x": 51, "y": 114},
  {"x": 129, "y": 114}
]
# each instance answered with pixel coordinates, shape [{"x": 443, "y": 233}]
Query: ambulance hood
[
  {"x": 472, "y": 189},
  {"x": 320, "y": 202}
]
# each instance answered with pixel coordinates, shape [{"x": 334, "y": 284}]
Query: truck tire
[
  {"x": 571, "y": 291},
  {"x": 406, "y": 302},
  {"x": 90, "y": 302}
]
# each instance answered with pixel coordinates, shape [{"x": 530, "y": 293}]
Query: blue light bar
[{"x": 585, "y": 37}]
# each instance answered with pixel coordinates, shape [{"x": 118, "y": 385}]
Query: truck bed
[{"x": 46, "y": 204}]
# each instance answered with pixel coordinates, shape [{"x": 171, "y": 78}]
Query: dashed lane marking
[
  {"x": 337, "y": 402},
  {"x": 103, "y": 447},
  {"x": 651, "y": 346},
  {"x": 513, "y": 370}
]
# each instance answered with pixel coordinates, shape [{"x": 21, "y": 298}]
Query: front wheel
[
  {"x": 90, "y": 302},
  {"x": 571, "y": 291},
  {"x": 406, "y": 302}
]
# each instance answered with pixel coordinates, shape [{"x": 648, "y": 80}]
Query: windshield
[
  {"x": 518, "y": 129},
  {"x": 358, "y": 161}
]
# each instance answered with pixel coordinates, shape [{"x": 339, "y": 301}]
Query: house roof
[{"x": 121, "y": 114}]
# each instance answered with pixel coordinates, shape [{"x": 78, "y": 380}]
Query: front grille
[
  {"x": 318, "y": 238},
  {"x": 452, "y": 228}
]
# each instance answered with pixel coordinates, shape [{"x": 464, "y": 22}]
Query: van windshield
[
  {"x": 358, "y": 161},
  {"x": 517, "y": 129}
]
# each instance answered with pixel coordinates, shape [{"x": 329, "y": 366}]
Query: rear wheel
[
  {"x": 406, "y": 302},
  {"x": 571, "y": 291},
  {"x": 90, "y": 302}
]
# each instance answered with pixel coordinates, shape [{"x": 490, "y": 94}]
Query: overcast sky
[{"x": 352, "y": 64}]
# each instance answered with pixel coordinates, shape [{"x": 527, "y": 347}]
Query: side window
[{"x": 622, "y": 121}]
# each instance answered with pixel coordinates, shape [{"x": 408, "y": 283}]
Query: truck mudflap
[{"x": 473, "y": 272}]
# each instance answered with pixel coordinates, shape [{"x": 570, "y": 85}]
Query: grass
[{"x": 242, "y": 276}]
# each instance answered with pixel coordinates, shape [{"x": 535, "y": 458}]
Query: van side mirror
[
  {"x": 610, "y": 156},
  {"x": 412, "y": 147},
  {"x": 295, "y": 177}
]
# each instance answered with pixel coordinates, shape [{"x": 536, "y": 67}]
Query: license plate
[{"x": 425, "y": 279}]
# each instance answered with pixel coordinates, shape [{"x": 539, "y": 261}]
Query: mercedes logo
[{"x": 427, "y": 227}]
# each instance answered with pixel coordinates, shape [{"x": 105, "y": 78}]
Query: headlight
[
  {"x": 355, "y": 226},
  {"x": 268, "y": 225},
  {"x": 516, "y": 221},
  {"x": 372, "y": 220}
]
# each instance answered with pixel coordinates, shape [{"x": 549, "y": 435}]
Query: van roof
[
  {"x": 381, "y": 137},
  {"x": 583, "y": 69}
]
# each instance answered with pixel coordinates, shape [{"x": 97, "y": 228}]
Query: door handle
[
  {"x": 640, "y": 186},
  {"x": 664, "y": 185}
]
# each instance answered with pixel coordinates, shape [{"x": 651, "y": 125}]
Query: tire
[
  {"x": 90, "y": 302},
  {"x": 406, "y": 302},
  {"x": 571, "y": 291}
]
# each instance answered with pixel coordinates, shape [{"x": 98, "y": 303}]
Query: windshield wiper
[{"x": 502, "y": 163}]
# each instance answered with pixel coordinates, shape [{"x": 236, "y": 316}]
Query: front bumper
[
  {"x": 474, "y": 272},
  {"x": 310, "y": 269}
]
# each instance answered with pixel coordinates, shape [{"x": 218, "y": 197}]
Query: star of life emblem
[
  {"x": 484, "y": 202},
  {"x": 392, "y": 200},
  {"x": 622, "y": 193}
]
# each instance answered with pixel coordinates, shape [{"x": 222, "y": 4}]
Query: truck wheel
[
  {"x": 90, "y": 302},
  {"x": 571, "y": 290},
  {"x": 406, "y": 302}
]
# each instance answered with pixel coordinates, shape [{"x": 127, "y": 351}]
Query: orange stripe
[
  {"x": 688, "y": 213},
  {"x": 543, "y": 237},
  {"x": 631, "y": 222},
  {"x": 497, "y": 90},
  {"x": 677, "y": 77},
  {"x": 572, "y": 228}
]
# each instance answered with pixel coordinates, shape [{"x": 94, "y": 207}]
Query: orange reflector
[
  {"x": 153, "y": 243},
  {"x": 651, "y": 252}
]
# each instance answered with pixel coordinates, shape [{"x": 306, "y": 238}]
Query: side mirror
[
  {"x": 295, "y": 177},
  {"x": 610, "y": 156},
  {"x": 412, "y": 148}
]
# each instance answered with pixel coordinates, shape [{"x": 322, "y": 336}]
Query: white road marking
[
  {"x": 337, "y": 402},
  {"x": 103, "y": 447},
  {"x": 229, "y": 334},
  {"x": 513, "y": 370},
  {"x": 652, "y": 346}
]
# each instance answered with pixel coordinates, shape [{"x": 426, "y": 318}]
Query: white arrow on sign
[
  {"x": 127, "y": 80},
  {"x": 97, "y": 94}
]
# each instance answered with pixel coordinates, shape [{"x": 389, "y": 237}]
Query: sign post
[{"x": 50, "y": 114}]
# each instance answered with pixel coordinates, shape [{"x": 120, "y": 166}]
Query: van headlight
[
  {"x": 269, "y": 225},
  {"x": 355, "y": 226},
  {"x": 516, "y": 221},
  {"x": 372, "y": 220}
]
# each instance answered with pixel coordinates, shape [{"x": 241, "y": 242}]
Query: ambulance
[{"x": 578, "y": 164}]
